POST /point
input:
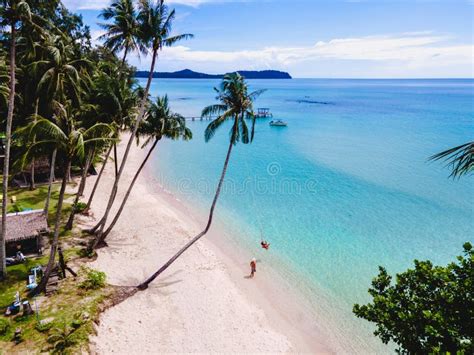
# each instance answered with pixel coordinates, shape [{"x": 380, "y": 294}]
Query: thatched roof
[{"x": 25, "y": 225}]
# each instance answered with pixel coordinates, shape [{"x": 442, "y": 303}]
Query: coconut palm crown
[
  {"x": 122, "y": 34},
  {"x": 235, "y": 103}
]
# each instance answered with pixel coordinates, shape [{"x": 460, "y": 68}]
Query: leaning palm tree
[
  {"x": 160, "y": 123},
  {"x": 12, "y": 12},
  {"x": 236, "y": 104},
  {"x": 156, "y": 22},
  {"x": 71, "y": 141},
  {"x": 116, "y": 101},
  {"x": 88, "y": 157},
  {"x": 460, "y": 159}
]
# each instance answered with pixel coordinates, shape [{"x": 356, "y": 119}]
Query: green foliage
[
  {"x": 16, "y": 207},
  {"x": 43, "y": 328},
  {"x": 123, "y": 33},
  {"x": 35, "y": 199},
  {"x": 429, "y": 309},
  {"x": 70, "y": 303},
  {"x": 80, "y": 206},
  {"x": 162, "y": 122},
  {"x": 4, "y": 326},
  {"x": 63, "y": 337},
  {"x": 235, "y": 103},
  {"x": 94, "y": 279}
]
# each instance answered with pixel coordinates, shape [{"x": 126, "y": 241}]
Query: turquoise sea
[{"x": 344, "y": 188}]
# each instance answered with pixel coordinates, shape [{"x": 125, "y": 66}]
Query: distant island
[{"x": 190, "y": 74}]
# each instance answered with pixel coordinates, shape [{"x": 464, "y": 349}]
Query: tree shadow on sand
[{"x": 123, "y": 292}]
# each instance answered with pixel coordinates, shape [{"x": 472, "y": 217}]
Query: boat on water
[{"x": 278, "y": 123}]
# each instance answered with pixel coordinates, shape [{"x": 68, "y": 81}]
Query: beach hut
[{"x": 25, "y": 231}]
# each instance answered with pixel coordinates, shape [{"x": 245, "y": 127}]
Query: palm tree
[
  {"x": 84, "y": 111},
  {"x": 72, "y": 142},
  {"x": 62, "y": 79},
  {"x": 121, "y": 35},
  {"x": 116, "y": 103},
  {"x": 12, "y": 12},
  {"x": 155, "y": 21},
  {"x": 460, "y": 159},
  {"x": 96, "y": 183},
  {"x": 235, "y": 104},
  {"x": 161, "y": 122}
]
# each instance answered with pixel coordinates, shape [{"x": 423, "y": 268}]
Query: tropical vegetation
[
  {"x": 426, "y": 310},
  {"x": 65, "y": 104},
  {"x": 63, "y": 108}
]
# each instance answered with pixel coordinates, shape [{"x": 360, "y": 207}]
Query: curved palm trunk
[
  {"x": 80, "y": 190},
  {"x": 115, "y": 160},
  {"x": 32, "y": 170},
  {"x": 6, "y": 159},
  {"x": 51, "y": 179},
  {"x": 32, "y": 175},
  {"x": 82, "y": 186},
  {"x": 144, "y": 285},
  {"x": 125, "y": 55},
  {"x": 54, "y": 245},
  {"x": 127, "y": 194},
  {"x": 99, "y": 239},
  {"x": 98, "y": 179},
  {"x": 115, "y": 145}
]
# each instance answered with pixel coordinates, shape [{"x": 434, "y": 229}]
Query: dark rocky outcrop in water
[{"x": 189, "y": 74}]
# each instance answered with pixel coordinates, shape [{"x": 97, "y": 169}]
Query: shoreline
[
  {"x": 243, "y": 319},
  {"x": 304, "y": 310},
  {"x": 265, "y": 289}
]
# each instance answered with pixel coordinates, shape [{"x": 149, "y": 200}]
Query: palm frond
[
  {"x": 243, "y": 132},
  {"x": 168, "y": 42},
  {"x": 215, "y": 124},
  {"x": 460, "y": 159},
  {"x": 213, "y": 110}
]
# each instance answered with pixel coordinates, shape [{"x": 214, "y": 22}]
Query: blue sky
[{"x": 317, "y": 38}]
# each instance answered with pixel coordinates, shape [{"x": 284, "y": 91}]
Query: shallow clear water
[{"x": 344, "y": 188}]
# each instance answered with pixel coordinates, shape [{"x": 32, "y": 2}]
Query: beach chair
[
  {"x": 32, "y": 280},
  {"x": 14, "y": 308}
]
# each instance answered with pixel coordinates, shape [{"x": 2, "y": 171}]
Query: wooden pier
[{"x": 199, "y": 118}]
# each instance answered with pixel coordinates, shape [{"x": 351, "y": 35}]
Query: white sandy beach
[{"x": 196, "y": 306}]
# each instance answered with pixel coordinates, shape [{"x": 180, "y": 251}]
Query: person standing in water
[{"x": 253, "y": 267}]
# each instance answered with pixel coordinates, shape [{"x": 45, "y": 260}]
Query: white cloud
[
  {"x": 86, "y": 4},
  {"x": 408, "y": 54},
  {"x": 95, "y": 34}
]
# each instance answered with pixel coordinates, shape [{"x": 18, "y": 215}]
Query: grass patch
[
  {"x": 35, "y": 199},
  {"x": 70, "y": 312},
  {"x": 72, "y": 307}
]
